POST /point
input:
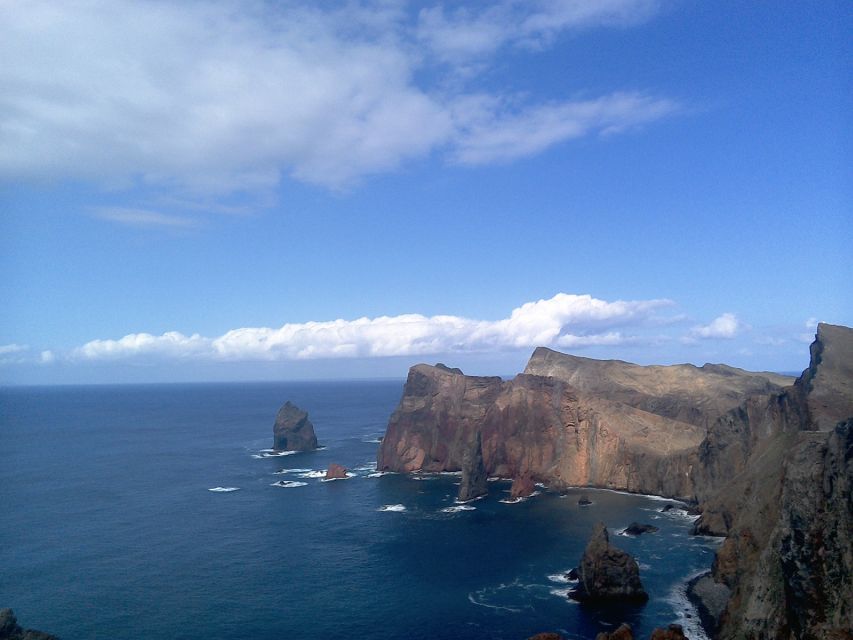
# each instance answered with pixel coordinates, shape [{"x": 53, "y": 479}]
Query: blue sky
[{"x": 239, "y": 190}]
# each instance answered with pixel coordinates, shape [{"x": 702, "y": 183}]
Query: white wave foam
[
  {"x": 459, "y": 507},
  {"x": 271, "y": 453},
  {"x": 562, "y": 578},
  {"x": 682, "y": 606},
  {"x": 368, "y": 466},
  {"x": 562, "y": 593},
  {"x": 349, "y": 475},
  {"x": 224, "y": 489},
  {"x": 472, "y": 598},
  {"x": 372, "y": 440},
  {"x": 313, "y": 474},
  {"x": 284, "y": 471},
  {"x": 288, "y": 484},
  {"x": 422, "y": 477},
  {"x": 519, "y": 499},
  {"x": 397, "y": 508},
  {"x": 378, "y": 474}
]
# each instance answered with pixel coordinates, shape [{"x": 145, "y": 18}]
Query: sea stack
[
  {"x": 608, "y": 573},
  {"x": 293, "y": 430},
  {"x": 474, "y": 479},
  {"x": 336, "y": 472}
]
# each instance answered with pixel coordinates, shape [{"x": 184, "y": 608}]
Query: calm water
[{"x": 109, "y": 529}]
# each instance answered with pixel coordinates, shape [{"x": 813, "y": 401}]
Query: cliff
[
  {"x": 586, "y": 423},
  {"x": 769, "y": 461}
]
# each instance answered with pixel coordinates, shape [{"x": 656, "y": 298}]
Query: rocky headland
[
  {"x": 293, "y": 430},
  {"x": 766, "y": 458},
  {"x": 11, "y": 630}
]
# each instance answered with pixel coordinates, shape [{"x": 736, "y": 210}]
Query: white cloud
[
  {"x": 142, "y": 217},
  {"x": 13, "y": 353},
  {"x": 225, "y": 97},
  {"x": 479, "y": 30},
  {"x": 725, "y": 326},
  {"x": 564, "y": 320},
  {"x": 47, "y": 357}
]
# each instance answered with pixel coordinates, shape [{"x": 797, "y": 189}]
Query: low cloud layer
[
  {"x": 564, "y": 320},
  {"x": 228, "y": 97}
]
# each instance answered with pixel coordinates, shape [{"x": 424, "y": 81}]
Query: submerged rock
[
  {"x": 336, "y": 472},
  {"x": 11, "y": 630},
  {"x": 608, "y": 573},
  {"x": 636, "y": 529},
  {"x": 474, "y": 478},
  {"x": 584, "y": 500},
  {"x": 293, "y": 430},
  {"x": 623, "y": 632}
]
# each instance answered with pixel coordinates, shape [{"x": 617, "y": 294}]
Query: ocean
[{"x": 143, "y": 511}]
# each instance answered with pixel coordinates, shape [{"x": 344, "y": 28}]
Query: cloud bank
[
  {"x": 564, "y": 320},
  {"x": 225, "y": 97}
]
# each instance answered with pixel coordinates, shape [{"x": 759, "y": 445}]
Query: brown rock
[
  {"x": 672, "y": 632},
  {"x": 623, "y": 632},
  {"x": 293, "y": 430},
  {"x": 548, "y": 635},
  {"x": 608, "y": 573},
  {"x": 522, "y": 487},
  {"x": 11, "y": 630},
  {"x": 474, "y": 483},
  {"x": 336, "y": 472}
]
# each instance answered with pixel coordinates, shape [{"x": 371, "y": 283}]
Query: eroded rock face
[
  {"x": 336, "y": 472},
  {"x": 608, "y": 573},
  {"x": 522, "y": 487},
  {"x": 474, "y": 483},
  {"x": 672, "y": 632},
  {"x": 293, "y": 430},
  {"x": 623, "y": 632},
  {"x": 11, "y": 630}
]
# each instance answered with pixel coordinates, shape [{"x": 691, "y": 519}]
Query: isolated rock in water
[
  {"x": 636, "y": 529},
  {"x": 11, "y": 630},
  {"x": 522, "y": 487},
  {"x": 474, "y": 479},
  {"x": 293, "y": 430},
  {"x": 623, "y": 632},
  {"x": 584, "y": 500},
  {"x": 336, "y": 472},
  {"x": 548, "y": 635},
  {"x": 672, "y": 632},
  {"x": 608, "y": 573}
]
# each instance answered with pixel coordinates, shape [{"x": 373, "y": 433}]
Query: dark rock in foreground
[
  {"x": 293, "y": 430},
  {"x": 636, "y": 529},
  {"x": 336, "y": 472},
  {"x": 608, "y": 573},
  {"x": 548, "y": 635},
  {"x": 474, "y": 479},
  {"x": 11, "y": 630},
  {"x": 672, "y": 632},
  {"x": 623, "y": 632},
  {"x": 584, "y": 501}
]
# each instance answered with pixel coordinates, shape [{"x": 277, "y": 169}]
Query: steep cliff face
[{"x": 538, "y": 427}]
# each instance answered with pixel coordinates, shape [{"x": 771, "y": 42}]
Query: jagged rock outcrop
[
  {"x": 336, "y": 472},
  {"x": 622, "y": 632},
  {"x": 672, "y": 632},
  {"x": 710, "y": 599},
  {"x": 522, "y": 487},
  {"x": 608, "y": 573},
  {"x": 637, "y": 529},
  {"x": 293, "y": 430},
  {"x": 474, "y": 483},
  {"x": 11, "y": 630}
]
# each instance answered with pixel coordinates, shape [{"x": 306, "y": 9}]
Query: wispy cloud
[
  {"x": 564, "y": 320},
  {"x": 142, "y": 218},
  {"x": 227, "y": 97},
  {"x": 13, "y": 353}
]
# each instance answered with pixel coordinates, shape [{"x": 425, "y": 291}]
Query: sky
[{"x": 215, "y": 191}]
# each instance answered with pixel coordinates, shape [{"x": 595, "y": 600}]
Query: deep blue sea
[{"x": 108, "y": 527}]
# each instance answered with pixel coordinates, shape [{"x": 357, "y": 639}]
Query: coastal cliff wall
[{"x": 769, "y": 461}]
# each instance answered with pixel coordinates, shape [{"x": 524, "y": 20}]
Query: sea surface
[{"x": 152, "y": 511}]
